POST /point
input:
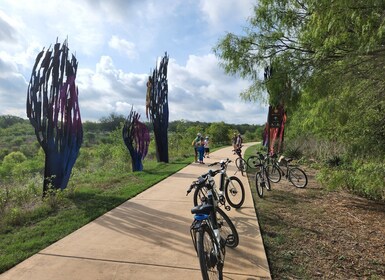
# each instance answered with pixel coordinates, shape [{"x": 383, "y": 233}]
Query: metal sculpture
[
  {"x": 53, "y": 111},
  {"x": 137, "y": 139},
  {"x": 158, "y": 108},
  {"x": 273, "y": 135}
]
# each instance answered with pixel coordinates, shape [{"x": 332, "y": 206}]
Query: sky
[{"x": 117, "y": 44}]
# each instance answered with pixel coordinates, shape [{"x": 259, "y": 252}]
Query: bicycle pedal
[{"x": 230, "y": 238}]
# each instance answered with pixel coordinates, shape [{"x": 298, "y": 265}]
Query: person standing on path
[
  {"x": 201, "y": 150},
  {"x": 234, "y": 141},
  {"x": 207, "y": 147},
  {"x": 195, "y": 143}
]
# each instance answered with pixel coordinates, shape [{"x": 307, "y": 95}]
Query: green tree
[
  {"x": 326, "y": 52},
  {"x": 219, "y": 133}
]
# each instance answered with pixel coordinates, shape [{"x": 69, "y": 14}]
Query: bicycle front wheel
[
  {"x": 234, "y": 192},
  {"x": 227, "y": 229},
  {"x": 241, "y": 164},
  {"x": 258, "y": 183},
  {"x": 297, "y": 177},
  {"x": 266, "y": 181},
  {"x": 273, "y": 173},
  {"x": 200, "y": 194},
  {"x": 209, "y": 256}
]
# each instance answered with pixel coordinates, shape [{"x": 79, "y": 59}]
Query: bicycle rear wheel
[
  {"x": 234, "y": 192},
  {"x": 227, "y": 229},
  {"x": 273, "y": 173},
  {"x": 253, "y": 162},
  {"x": 208, "y": 253},
  {"x": 297, "y": 177},
  {"x": 241, "y": 164}
]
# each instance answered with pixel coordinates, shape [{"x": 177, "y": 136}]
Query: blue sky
[{"x": 117, "y": 44}]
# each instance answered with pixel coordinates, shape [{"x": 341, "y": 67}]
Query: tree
[{"x": 324, "y": 52}]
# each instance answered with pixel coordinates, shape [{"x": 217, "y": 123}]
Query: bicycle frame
[{"x": 210, "y": 219}]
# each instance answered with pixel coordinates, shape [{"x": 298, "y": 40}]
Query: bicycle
[
  {"x": 261, "y": 178},
  {"x": 240, "y": 162},
  {"x": 242, "y": 165},
  {"x": 294, "y": 174},
  {"x": 207, "y": 236},
  {"x": 232, "y": 187}
]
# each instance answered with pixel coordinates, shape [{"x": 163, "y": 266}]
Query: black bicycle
[
  {"x": 208, "y": 234},
  {"x": 294, "y": 174},
  {"x": 205, "y": 182},
  {"x": 261, "y": 179},
  {"x": 230, "y": 189},
  {"x": 243, "y": 165}
]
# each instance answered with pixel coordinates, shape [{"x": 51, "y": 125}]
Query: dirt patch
[{"x": 314, "y": 234}]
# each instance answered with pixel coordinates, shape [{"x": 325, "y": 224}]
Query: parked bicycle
[
  {"x": 231, "y": 188},
  {"x": 261, "y": 177},
  {"x": 243, "y": 165},
  {"x": 294, "y": 174},
  {"x": 209, "y": 232}
]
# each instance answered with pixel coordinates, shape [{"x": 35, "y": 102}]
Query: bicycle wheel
[
  {"x": 200, "y": 194},
  {"x": 266, "y": 181},
  {"x": 273, "y": 173},
  {"x": 253, "y": 162},
  {"x": 234, "y": 192},
  {"x": 297, "y": 177},
  {"x": 241, "y": 164},
  {"x": 209, "y": 260},
  {"x": 258, "y": 183},
  {"x": 227, "y": 229}
]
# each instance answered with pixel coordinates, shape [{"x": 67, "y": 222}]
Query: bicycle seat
[
  {"x": 202, "y": 209},
  {"x": 289, "y": 159}
]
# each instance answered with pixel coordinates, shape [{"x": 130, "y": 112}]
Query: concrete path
[{"x": 148, "y": 237}]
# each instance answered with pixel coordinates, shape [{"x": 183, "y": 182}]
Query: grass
[
  {"x": 88, "y": 196},
  {"x": 276, "y": 233}
]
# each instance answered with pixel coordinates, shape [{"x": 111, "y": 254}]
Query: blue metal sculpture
[
  {"x": 137, "y": 139},
  {"x": 158, "y": 108},
  {"x": 53, "y": 110}
]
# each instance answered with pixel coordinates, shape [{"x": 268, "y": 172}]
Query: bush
[{"x": 362, "y": 178}]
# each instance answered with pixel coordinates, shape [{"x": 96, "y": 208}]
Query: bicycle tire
[
  {"x": 297, "y": 177},
  {"x": 227, "y": 230},
  {"x": 234, "y": 189},
  {"x": 253, "y": 162},
  {"x": 211, "y": 268},
  {"x": 199, "y": 193},
  {"x": 273, "y": 173},
  {"x": 258, "y": 184},
  {"x": 266, "y": 179},
  {"x": 241, "y": 165}
]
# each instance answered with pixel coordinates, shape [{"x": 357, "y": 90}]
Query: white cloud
[
  {"x": 123, "y": 46},
  {"x": 117, "y": 43},
  {"x": 221, "y": 14}
]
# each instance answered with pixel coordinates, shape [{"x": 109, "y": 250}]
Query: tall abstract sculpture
[
  {"x": 53, "y": 110},
  {"x": 158, "y": 108},
  {"x": 137, "y": 139},
  {"x": 273, "y": 134}
]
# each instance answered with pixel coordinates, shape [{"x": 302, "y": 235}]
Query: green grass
[
  {"x": 276, "y": 233},
  {"x": 88, "y": 196}
]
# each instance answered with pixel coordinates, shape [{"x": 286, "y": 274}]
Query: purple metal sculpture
[
  {"x": 137, "y": 139},
  {"x": 53, "y": 110},
  {"x": 158, "y": 108}
]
